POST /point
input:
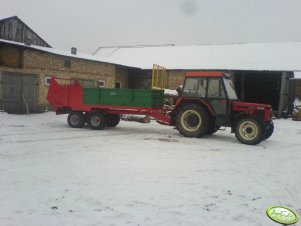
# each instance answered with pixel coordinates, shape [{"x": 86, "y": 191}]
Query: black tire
[
  {"x": 250, "y": 130},
  {"x": 192, "y": 120},
  {"x": 269, "y": 130},
  {"x": 112, "y": 120},
  {"x": 76, "y": 119},
  {"x": 212, "y": 128},
  {"x": 97, "y": 121}
]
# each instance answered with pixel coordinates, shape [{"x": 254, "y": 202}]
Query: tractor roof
[{"x": 204, "y": 74}]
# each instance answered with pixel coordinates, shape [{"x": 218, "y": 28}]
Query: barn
[
  {"x": 262, "y": 72},
  {"x": 27, "y": 63}
]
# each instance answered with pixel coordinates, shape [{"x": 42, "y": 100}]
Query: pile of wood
[
  {"x": 136, "y": 118},
  {"x": 297, "y": 113}
]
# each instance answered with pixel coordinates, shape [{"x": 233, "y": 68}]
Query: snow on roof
[
  {"x": 63, "y": 52},
  {"x": 109, "y": 50},
  {"x": 106, "y": 51},
  {"x": 253, "y": 56}
]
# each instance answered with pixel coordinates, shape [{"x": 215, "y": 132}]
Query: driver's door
[{"x": 217, "y": 96}]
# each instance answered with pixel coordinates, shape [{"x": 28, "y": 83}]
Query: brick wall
[
  {"x": 175, "y": 78},
  {"x": 36, "y": 60}
]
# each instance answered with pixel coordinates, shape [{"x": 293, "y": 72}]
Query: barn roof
[
  {"x": 62, "y": 52},
  {"x": 252, "y": 56},
  {"x": 24, "y": 24}
]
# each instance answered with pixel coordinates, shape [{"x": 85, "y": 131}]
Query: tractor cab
[{"x": 216, "y": 88}]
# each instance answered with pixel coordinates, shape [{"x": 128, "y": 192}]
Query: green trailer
[{"x": 123, "y": 97}]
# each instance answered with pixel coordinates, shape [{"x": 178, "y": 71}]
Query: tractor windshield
[{"x": 230, "y": 88}]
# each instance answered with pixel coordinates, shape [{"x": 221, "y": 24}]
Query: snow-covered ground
[{"x": 142, "y": 174}]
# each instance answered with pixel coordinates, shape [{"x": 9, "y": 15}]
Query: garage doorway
[
  {"x": 259, "y": 87},
  {"x": 19, "y": 93}
]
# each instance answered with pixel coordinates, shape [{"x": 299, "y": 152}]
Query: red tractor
[{"x": 206, "y": 102}]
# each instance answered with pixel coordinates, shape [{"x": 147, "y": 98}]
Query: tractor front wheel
[
  {"x": 192, "y": 120},
  {"x": 250, "y": 130},
  {"x": 76, "y": 119}
]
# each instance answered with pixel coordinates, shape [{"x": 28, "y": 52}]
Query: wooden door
[{"x": 19, "y": 93}]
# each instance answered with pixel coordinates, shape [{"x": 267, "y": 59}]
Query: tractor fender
[
  {"x": 182, "y": 101},
  {"x": 235, "y": 119}
]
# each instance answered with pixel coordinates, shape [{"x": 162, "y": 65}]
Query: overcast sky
[{"x": 88, "y": 24}]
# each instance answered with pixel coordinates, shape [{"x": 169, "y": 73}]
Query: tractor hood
[{"x": 253, "y": 108}]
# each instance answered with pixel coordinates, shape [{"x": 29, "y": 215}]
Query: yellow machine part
[{"x": 158, "y": 77}]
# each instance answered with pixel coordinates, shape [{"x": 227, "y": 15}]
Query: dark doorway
[
  {"x": 117, "y": 85},
  {"x": 259, "y": 87},
  {"x": 140, "y": 79}
]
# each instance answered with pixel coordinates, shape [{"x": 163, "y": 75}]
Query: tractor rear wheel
[
  {"x": 250, "y": 130},
  {"x": 76, "y": 119},
  {"x": 112, "y": 120},
  {"x": 192, "y": 120},
  {"x": 97, "y": 121}
]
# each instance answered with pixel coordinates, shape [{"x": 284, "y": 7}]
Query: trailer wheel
[
  {"x": 97, "y": 121},
  {"x": 192, "y": 120},
  {"x": 76, "y": 119},
  {"x": 112, "y": 120},
  {"x": 250, "y": 130}
]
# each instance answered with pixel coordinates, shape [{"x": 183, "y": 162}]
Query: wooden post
[
  {"x": 242, "y": 92},
  {"x": 283, "y": 93}
]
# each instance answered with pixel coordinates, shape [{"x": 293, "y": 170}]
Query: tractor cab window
[
  {"x": 230, "y": 89},
  {"x": 191, "y": 87},
  {"x": 195, "y": 87},
  {"x": 202, "y": 87},
  {"x": 216, "y": 88}
]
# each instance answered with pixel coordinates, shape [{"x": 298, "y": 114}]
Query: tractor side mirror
[{"x": 179, "y": 89}]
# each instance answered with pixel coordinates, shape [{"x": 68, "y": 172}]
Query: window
[
  {"x": 118, "y": 85},
  {"x": 67, "y": 63},
  {"x": 230, "y": 89},
  {"x": 191, "y": 86},
  {"x": 195, "y": 87},
  {"x": 215, "y": 88},
  {"x": 47, "y": 80},
  {"x": 202, "y": 87},
  {"x": 87, "y": 83},
  {"x": 101, "y": 83}
]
